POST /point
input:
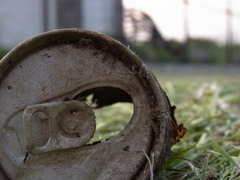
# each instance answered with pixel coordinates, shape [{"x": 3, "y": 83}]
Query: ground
[{"x": 208, "y": 104}]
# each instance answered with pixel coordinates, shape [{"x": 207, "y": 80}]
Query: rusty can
[{"x": 44, "y": 128}]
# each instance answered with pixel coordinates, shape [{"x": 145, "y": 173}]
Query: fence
[{"x": 141, "y": 26}]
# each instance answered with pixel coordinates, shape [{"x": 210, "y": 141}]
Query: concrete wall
[
  {"x": 19, "y": 20},
  {"x": 102, "y": 15},
  {"x": 22, "y": 19}
]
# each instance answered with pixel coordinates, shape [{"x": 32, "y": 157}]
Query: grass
[
  {"x": 208, "y": 104},
  {"x": 111, "y": 120}
]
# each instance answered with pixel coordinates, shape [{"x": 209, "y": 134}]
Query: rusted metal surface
[{"x": 44, "y": 126}]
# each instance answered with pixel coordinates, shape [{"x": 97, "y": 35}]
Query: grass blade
[
  {"x": 178, "y": 157},
  {"x": 218, "y": 148},
  {"x": 204, "y": 171}
]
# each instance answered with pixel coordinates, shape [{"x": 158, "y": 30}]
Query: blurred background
[
  {"x": 202, "y": 31},
  {"x": 191, "y": 46}
]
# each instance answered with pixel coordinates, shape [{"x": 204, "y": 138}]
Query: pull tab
[{"x": 57, "y": 125}]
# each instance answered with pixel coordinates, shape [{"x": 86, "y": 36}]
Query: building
[{"x": 26, "y": 18}]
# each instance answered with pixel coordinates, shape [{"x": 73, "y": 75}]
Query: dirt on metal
[{"x": 50, "y": 73}]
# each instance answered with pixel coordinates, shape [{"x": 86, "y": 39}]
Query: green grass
[
  {"x": 209, "y": 107},
  {"x": 111, "y": 120},
  {"x": 208, "y": 104}
]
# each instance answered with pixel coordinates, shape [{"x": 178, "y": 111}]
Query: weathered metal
[
  {"x": 44, "y": 126},
  {"x": 57, "y": 126}
]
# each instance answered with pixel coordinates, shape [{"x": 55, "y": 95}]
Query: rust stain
[{"x": 178, "y": 132}]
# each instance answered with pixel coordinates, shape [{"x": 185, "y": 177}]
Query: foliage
[
  {"x": 199, "y": 51},
  {"x": 149, "y": 52},
  {"x": 3, "y": 52},
  {"x": 203, "y": 50}
]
